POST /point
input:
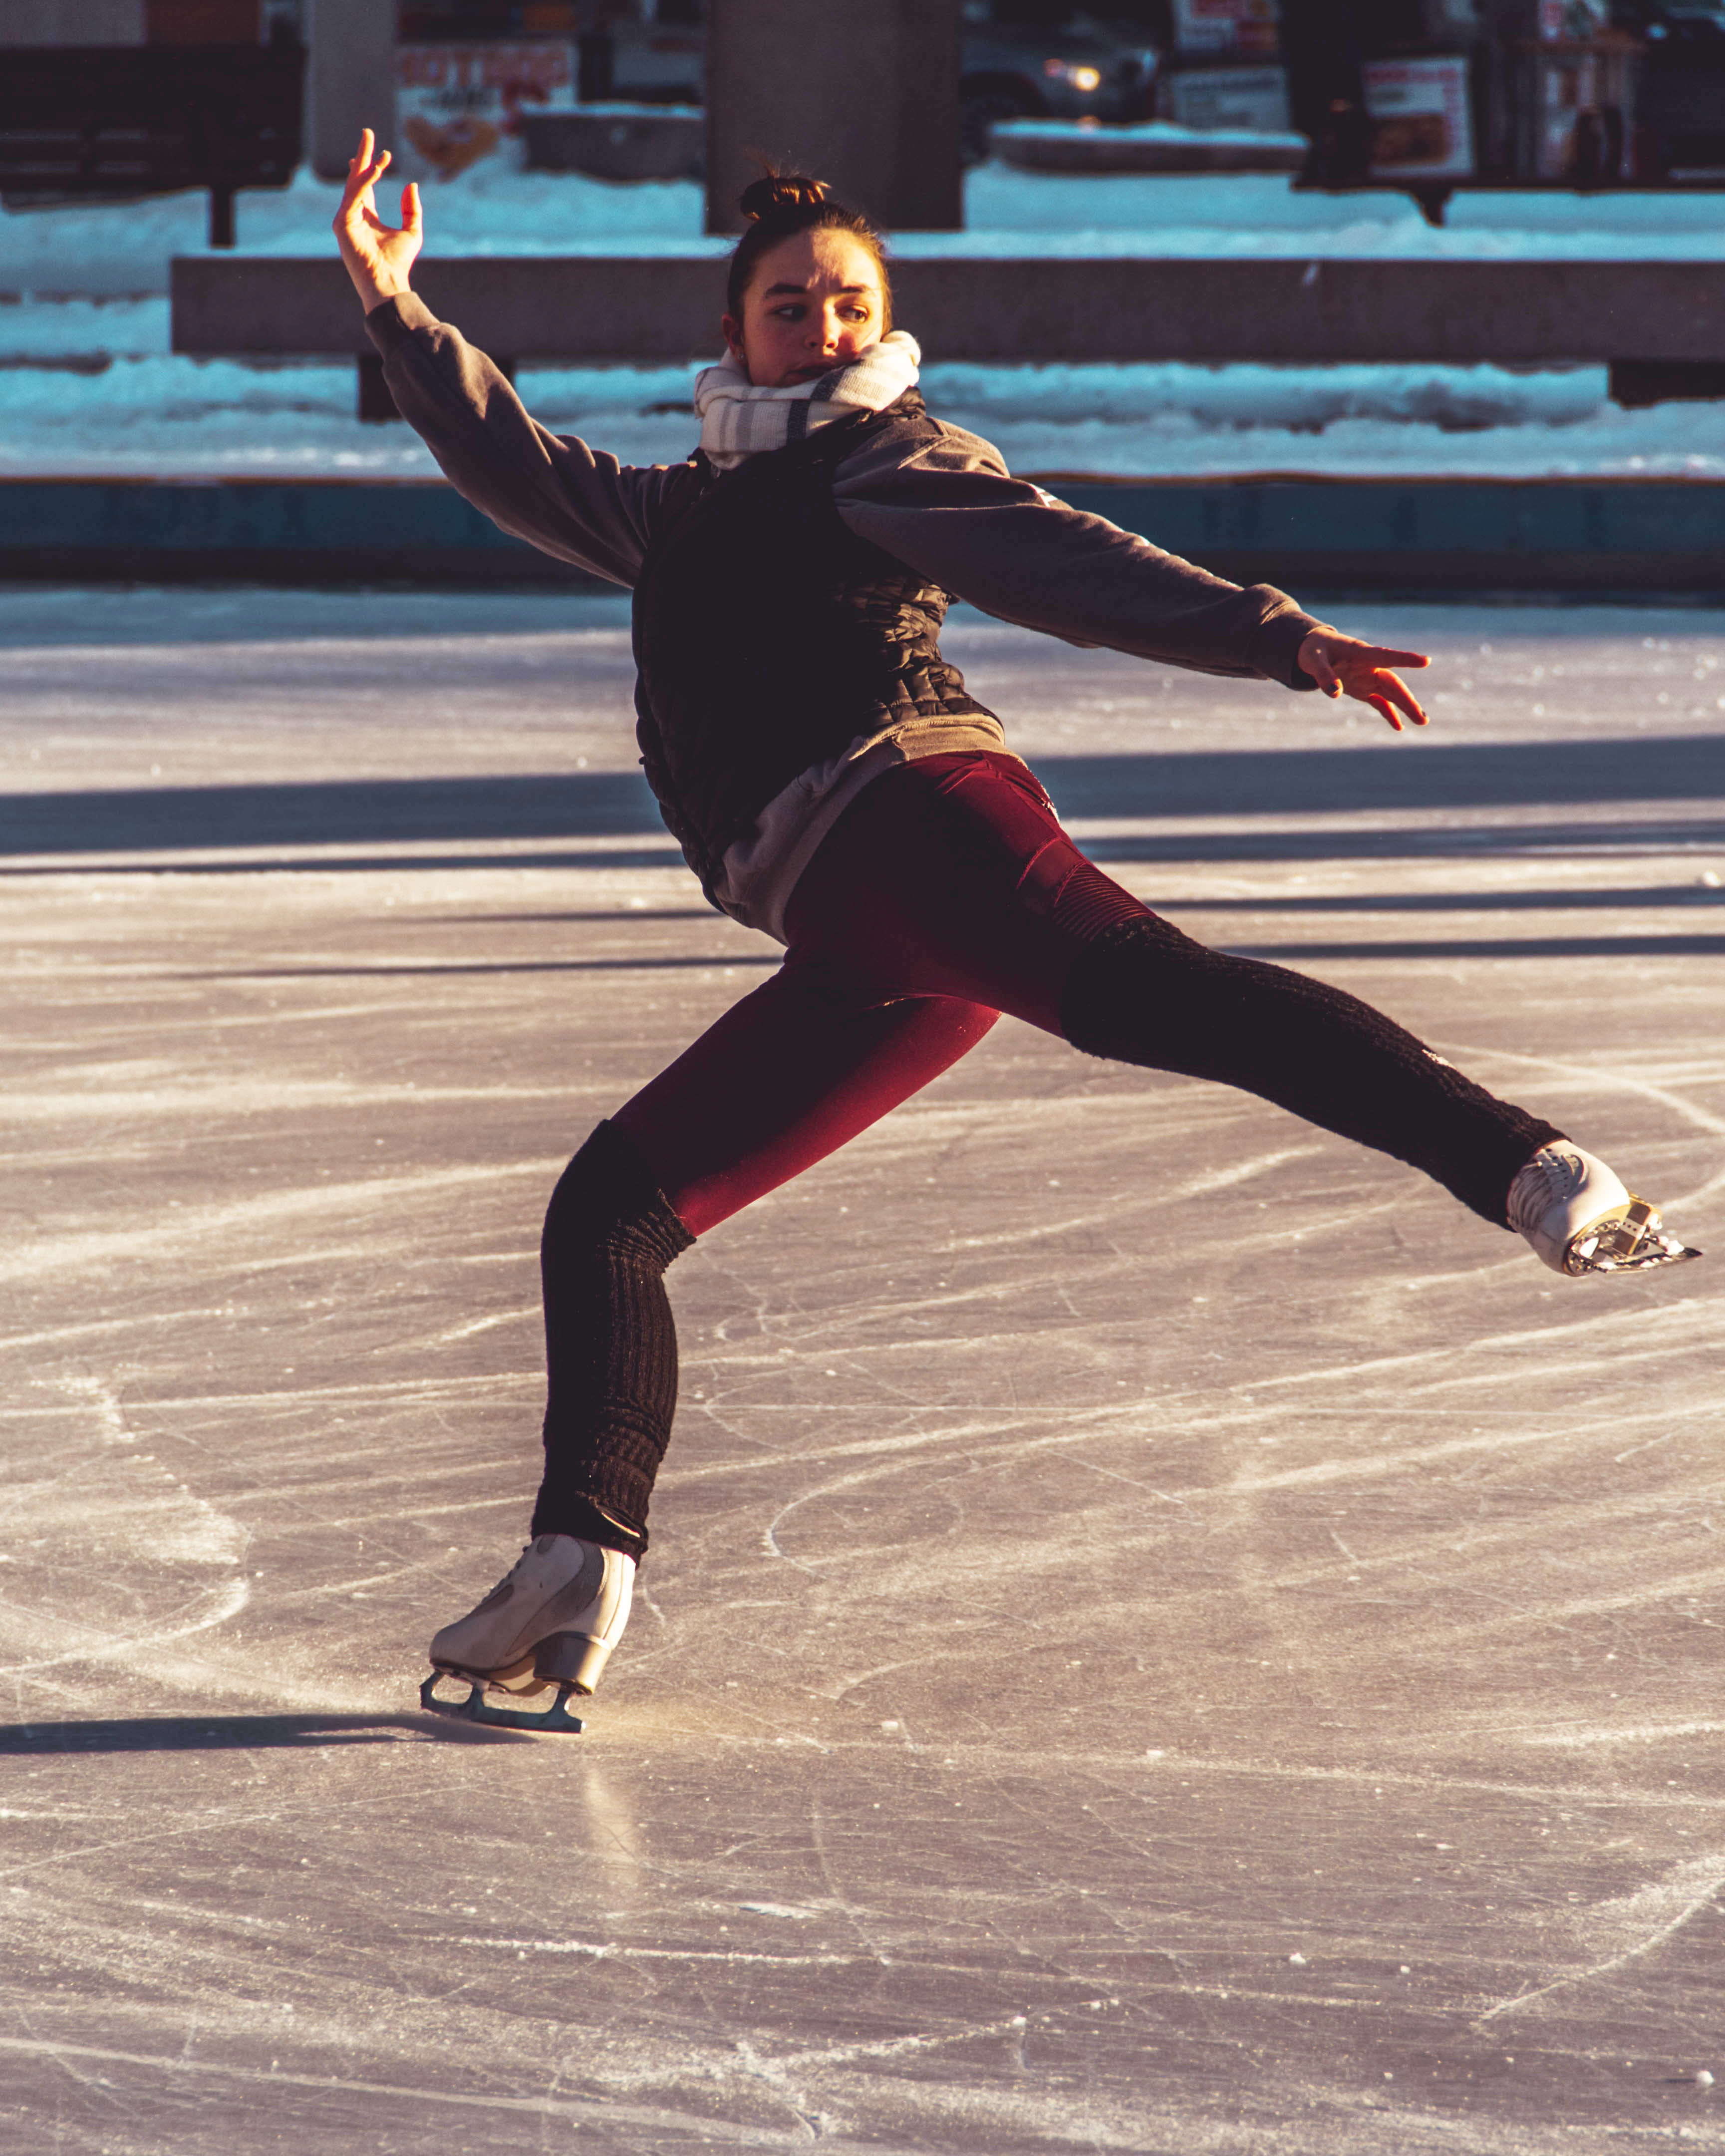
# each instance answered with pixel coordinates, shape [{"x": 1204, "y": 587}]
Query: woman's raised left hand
[
  {"x": 379, "y": 256},
  {"x": 1344, "y": 666}
]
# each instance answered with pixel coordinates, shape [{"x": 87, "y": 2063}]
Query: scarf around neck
[{"x": 739, "y": 421}]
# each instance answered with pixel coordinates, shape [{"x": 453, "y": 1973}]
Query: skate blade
[
  {"x": 1631, "y": 1238},
  {"x": 555, "y": 1720}
]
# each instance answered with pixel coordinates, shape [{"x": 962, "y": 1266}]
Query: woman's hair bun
[
  {"x": 779, "y": 206},
  {"x": 775, "y": 193}
]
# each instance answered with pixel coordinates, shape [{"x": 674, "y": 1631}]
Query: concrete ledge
[
  {"x": 972, "y": 307},
  {"x": 1459, "y": 534}
]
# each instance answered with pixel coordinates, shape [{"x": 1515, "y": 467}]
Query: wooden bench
[
  {"x": 111, "y": 123},
  {"x": 1659, "y": 327}
]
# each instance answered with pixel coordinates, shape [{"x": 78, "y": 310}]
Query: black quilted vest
[{"x": 768, "y": 638}]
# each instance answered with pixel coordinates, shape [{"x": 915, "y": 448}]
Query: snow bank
[
  {"x": 88, "y": 385},
  {"x": 112, "y": 251},
  {"x": 150, "y": 413},
  {"x": 1158, "y": 133},
  {"x": 1251, "y": 214}
]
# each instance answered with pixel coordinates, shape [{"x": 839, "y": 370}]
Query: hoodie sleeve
[
  {"x": 569, "y": 500},
  {"x": 951, "y": 511}
]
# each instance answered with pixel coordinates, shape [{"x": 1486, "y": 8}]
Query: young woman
[{"x": 831, "y": 782}]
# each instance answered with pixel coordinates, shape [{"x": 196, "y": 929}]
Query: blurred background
[{"x": 135, "y": 132}]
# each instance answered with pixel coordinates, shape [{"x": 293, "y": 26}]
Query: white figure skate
[
  {"x": 544, "y": 1630},
  {"x": 1580, "y": 1219}
]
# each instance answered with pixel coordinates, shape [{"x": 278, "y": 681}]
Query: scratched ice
[{"x": 1165, "y": 1634}]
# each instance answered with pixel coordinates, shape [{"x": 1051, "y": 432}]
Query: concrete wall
[
  {"x": 350, "y": 79},
  {"x": 1042, "y": 308},
  {"x": 71, "y": 21},
  {"x": 863, "y": 94}
]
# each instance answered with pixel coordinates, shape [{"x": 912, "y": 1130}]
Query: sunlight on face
[{"x": 815, "y": 304}]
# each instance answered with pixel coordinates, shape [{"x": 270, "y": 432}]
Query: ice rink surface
[{"x": 1163, "y": 1633}]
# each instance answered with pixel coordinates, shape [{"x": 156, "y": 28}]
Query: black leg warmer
[
  {"x": 611, "y": 1346},
  {"x": 1144, "y": 993}
]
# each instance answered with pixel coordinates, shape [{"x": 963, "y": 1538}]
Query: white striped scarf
[{"x": 738, "y": 421}]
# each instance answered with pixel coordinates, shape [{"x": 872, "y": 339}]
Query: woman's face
[{"x": 815, "y": 304}]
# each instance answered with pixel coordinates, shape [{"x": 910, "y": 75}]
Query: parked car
[{"x": 1022, "y": 71}]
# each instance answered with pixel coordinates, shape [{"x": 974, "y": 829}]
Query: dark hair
[{"x": 779, "y": 206}]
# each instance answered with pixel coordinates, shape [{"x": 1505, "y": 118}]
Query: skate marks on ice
[
  {"x": 1440, "y": 1521},
  {"x": 111, "y": 1558},
  {"x": 337, "y": 2105},
  {"x": 1162, "y": 1633},
  {"x": 1622, "y": 1932}
]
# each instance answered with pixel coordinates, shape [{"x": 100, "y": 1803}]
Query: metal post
[
  {"x": 863, "y": 94},
  {"x": 350, "y": 79}
]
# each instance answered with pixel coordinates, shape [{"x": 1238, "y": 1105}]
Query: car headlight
[{"x": 1077, "y": 74}]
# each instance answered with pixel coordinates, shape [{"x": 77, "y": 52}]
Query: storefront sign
[
  {"x": 1227, "y": 29},
  {"x": 1422, "y": 124},
  {"x": 458, "y": 104},
  {"x": 1252, "y": 99}
]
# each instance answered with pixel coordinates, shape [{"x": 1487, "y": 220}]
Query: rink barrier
[
  {"x": 1471, "y": 535},
  {"x": 313, "y": 532}
]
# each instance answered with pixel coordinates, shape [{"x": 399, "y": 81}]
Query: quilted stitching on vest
[{"x": 768, "y": 637}]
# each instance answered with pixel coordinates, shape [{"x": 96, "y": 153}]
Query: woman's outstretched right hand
[{"x": 379, "y": 256}]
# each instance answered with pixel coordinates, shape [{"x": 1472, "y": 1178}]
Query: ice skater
[{"x": 831, "y": 782}]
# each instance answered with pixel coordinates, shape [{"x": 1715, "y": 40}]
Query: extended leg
[
  {"x": 954, "y": 875},
  {"x": 1143, "y": 992}
]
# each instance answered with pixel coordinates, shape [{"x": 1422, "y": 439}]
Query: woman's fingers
[
  {"x": 369, "y": 159},
  {"x": 357, "y": 219},
  {"x": 1398, "y": 693},
  {"x": 364, "y": 170},
  {"x": 1344, "y": 666},
  {"x": 379, "y": 256}
]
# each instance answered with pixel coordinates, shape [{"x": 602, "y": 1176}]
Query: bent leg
[
  {"x": 611, "y": 1345},
  {"x": 784, "y": 1079}
]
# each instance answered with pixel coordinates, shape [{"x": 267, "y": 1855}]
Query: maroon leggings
[{"x": 945, "y": 894}]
